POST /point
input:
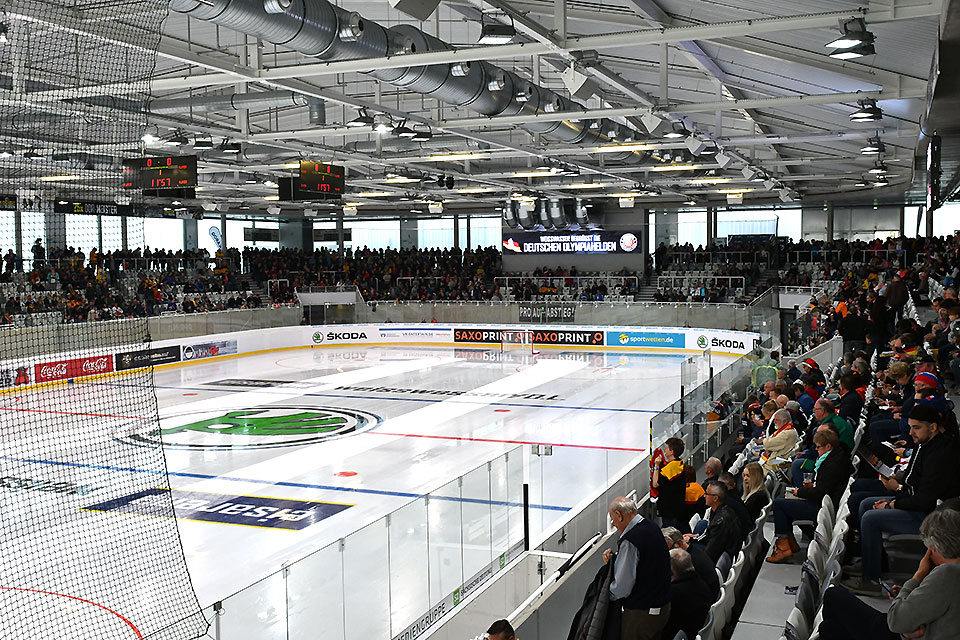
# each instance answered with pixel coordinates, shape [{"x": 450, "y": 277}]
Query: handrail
[
  {"x": 556, "y": 575},
  {"x": 701, "y": 280},
  {"x": 605, "y": 279}
]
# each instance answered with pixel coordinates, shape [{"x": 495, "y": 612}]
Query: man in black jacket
[
  {"x": 831, "y": 472},
  {"x": 932, "y": 475},
  {"x": 704, "y": 566},
  {"x": 690, "y": 599},
  {"x": 851, "y": 402},
  {"x": 641, "y": 573},
  {"x": 735, "y": 502},
  {"x": 724, "y": 531}
]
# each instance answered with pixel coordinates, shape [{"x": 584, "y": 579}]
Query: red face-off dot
[
  {"x": 501, "y": 410},
  {"x": 345, "y": 474},
  {"x": 189, "y": 394}
]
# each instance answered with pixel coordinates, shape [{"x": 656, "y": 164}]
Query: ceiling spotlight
[
  {"x": 786, "y": 195},
  {"x": 769, "y": 184},
  {"x": 695, "y": 145},
  {"x": 856, "y": 41},
  {"x": 493, "y": 31},
  {"x": 177, "y": 140},
  {"x": 362, "y": 120},
  {"x": 878, "y": 169},
  {"x": 403, "y": 131},
  {"x": 651, "y": 121},
  {"x": 231, "y": 147},
  {"x": 723, "y": 159},
  {"x": 868, "y": 111},
  {"x": 382, "y": 123},
  {"x": 749, "y": 173},
  {"x": 856, "y": 51},
  {"x": 677, "y": 130},
  {"x": 421, "y": 135},
  {"x": 201, "y": 144},
  {"x": 873, "y": 147}
]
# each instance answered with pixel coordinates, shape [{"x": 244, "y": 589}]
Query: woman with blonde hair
[{"x": 755, "y": 496}]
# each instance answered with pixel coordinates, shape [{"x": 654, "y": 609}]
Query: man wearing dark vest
[{"x": 641, "y": 573}]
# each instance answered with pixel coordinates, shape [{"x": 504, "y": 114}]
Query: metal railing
[{"x": 672, "y": 282}]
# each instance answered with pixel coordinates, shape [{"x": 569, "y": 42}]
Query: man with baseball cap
[{"x": 932, "y": 475}]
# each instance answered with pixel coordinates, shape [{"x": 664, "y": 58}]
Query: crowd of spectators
[
  {"x": 907, "y": 480},
  {"x": 872, "y": 278},
  {"x": 383, "y": 274}
]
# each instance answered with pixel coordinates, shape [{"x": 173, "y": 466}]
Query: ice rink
[{"x": 273, "y": 456}]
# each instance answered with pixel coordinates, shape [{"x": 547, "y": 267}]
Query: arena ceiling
[{"x": 751, "y": 80}]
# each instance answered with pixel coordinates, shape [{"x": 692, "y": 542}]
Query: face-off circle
[{"x": 252, "y": 428}]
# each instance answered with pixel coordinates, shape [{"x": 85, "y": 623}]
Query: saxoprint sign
[{"x": 253, "y": 428}]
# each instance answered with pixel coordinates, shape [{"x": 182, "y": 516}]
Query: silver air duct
[
  {"x": 318, "y": 28},
  {"x": 238, "y": 101},
  {"x": 405, "y": 145},
  {"x": 557, "y": 218}
]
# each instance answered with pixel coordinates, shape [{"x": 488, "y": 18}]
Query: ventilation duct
[
  {"x": 230, "y": 177},
  {"x": 327, "y": 32},
  {"x": 583, "y": 218},
  {"x": 239, "y": 101},
  {"x": 510, "y": 214},
  {"x": 406, "y": 145},
  {"x": 525, "y": 213},
  {"x": 557, "y": 219}
]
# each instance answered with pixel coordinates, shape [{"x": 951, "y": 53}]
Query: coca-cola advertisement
[{"x": 73, "y": 368}]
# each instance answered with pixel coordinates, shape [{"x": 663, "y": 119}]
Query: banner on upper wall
[
  {"x": 548, "y": 312},
  {"x": 581, "y": 242}
]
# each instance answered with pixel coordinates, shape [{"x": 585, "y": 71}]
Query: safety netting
[{"x": 91, "y": 544}]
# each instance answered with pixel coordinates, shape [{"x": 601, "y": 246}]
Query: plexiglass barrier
[{"x": 396, "y": 576}]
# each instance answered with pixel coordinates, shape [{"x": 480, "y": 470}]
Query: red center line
[
  {"x": 462, "y": 439},
  {"x": 63, "y": 595},
  {"x": 72, "y": 413}
]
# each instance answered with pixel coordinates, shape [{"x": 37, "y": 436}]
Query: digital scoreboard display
[
  {"x": 319, "y": 181},
  {"x": 155, "y": 174}
]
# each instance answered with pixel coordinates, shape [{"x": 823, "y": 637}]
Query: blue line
[
  {"x": 218, "y": 389},
  {"x": 298, "y": 485}
]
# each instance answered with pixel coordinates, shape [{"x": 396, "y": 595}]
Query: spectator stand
[
  {"x": 599, "y": 286},
  {"x": 776, "y": 601}
]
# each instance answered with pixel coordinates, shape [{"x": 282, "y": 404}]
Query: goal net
[{"x": 516, "y": 341}]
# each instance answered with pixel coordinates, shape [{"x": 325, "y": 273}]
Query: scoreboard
[
  {"x": 319, "y": 181},
  {"x": 170, "y": 172}
]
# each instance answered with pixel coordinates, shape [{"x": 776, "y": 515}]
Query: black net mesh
[
  {"x": 78, "y": 563},
  {"x": 74, "y": 76}
]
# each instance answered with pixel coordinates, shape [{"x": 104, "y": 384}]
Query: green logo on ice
[
  {"x": 253, "y": 427},
  {"x": 248, "y": 423},
  {"x": 702, "y": 342}
]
